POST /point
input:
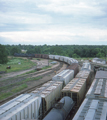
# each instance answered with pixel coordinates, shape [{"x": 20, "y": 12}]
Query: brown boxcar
[
  {"x": 74, "y": 67},
  {"x": 45, "y": 56},
  {"x": 38, "y": 55}
]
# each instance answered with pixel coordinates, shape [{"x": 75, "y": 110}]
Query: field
[
  {"x": 17, "y": 64},
  {"x": 22, "y": 75}
]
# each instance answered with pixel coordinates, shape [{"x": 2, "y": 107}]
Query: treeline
[{"x": 74, "y": 51}]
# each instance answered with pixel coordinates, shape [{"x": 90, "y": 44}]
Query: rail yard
[{"x": 70, "y": 92}]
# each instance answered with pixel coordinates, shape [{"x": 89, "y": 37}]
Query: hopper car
[{"x": 51, "y": 92}]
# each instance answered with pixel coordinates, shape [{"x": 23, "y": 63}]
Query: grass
[
  {"x": 32, "y": 71},
  {"x": 15, "y": 66},
  {"x": 5, "y": 95},
  {"x": 46, "y": 67},
  {"x": 32, "y": 79},
  {"x": 19, "y": 83},
  {"x": 15, "y": 90},
  {"x": 19, "y": 88}
]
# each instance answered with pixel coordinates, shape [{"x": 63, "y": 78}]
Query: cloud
[
  {"x": 53, "y": 21},
  {"x": 57, "y": 36},
  {"x": 72, "y": 7},
  {"x": 24, "y": 18}
]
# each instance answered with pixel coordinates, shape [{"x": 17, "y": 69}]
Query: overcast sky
[{"x": 51, "y": 22}]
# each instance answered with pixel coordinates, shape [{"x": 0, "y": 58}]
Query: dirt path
[
  {"x": 46, "y": 76},
  {"x": 42, "y": 63}
]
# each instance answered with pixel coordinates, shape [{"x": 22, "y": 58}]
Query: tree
[
  {"x": 15, "y": 50},
  {"x": 3, "y": 55}
]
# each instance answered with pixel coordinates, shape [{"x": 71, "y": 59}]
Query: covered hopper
[
  {"x": 75, "y": 89},
  {"x": 84, "y": 74},
  {"x": 98, "y": 89},
  {"x": 65, "y": 76},
  {"x": 101, "y": 74},
  {"x": 92, "y": 109},
  {"x": 25, "y": 106}
]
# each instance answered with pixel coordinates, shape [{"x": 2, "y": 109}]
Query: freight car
[
  {"x": 61, "y": 58},
  {"x": 92, "y": 109},
  {"x": 24, "y": 55},
  {"x": 50, "y": 93},
  {"x": 21, "y": 107},
  {"x": 61, "y": 109},
  {"x": 76, "y": 89},
  {"x": 84, "y": 74},
  {"x": 45, "y": 56},
  {"x": 52, "y": 57},
  {"x": 98, "y": 88},
  {"x": 86, "y": 66},
  {"x": 65, "y": 76},
  {"x": 38, "y": 55},
  {"x": 74, "y": 67},
  {"x": 67, "y": 60}
]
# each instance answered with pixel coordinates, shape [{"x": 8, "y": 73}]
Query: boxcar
[
  {"x": 74, "y": 67},
  {"x": 38, "y": 55},
  {"x": 45, "y": 56}
]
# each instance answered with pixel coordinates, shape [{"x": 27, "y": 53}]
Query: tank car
[{"x": 61, "y": 110}]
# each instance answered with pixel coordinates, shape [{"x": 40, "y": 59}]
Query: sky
[{"x": 51, "y": 22}]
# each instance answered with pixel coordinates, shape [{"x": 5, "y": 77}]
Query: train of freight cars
[
  {"x": 36, "y": 104},
  {"x": 67, "y": 60},
  {"x": 94, "y": 107}
]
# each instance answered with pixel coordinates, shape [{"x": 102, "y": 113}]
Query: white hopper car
[
  {"x": 21, "y": 107},
  {"x": 49, "y": 94},
  {"x": 65, "y": 76}
]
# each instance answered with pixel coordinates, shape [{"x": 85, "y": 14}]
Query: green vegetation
[
  {"x": 32, "y": 79},
  {"x": 3, "y": 55},
  {"x": 15, "y": 66},
  {"x": 5, "y": 95},
  {"x": 19, "y": 88},
  {"x": 74, "y": 51},
  {"x": 46, "y": 67},
  {"x": 32, "y": 71}
]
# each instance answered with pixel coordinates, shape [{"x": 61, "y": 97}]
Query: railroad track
[{"x": 36, "y": 74}]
